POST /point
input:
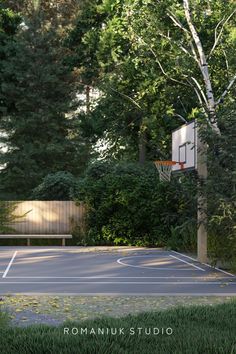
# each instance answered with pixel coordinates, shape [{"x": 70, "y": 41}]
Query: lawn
[{"x": 196, "y": 330}]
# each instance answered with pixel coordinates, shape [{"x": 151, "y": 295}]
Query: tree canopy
[
  {"x": 40, "y": 133},
  {"x": 152, "y": 69}
]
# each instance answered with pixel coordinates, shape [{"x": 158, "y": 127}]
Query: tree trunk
[
  {"x": 202, "y": 202},
  {"x": 204, "y": 68},
  {"x": 142, "y": 146},
  {"x": 87, "y": 99}
]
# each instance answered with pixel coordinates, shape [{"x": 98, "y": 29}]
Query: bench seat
[{"x": 28, "y": 237}]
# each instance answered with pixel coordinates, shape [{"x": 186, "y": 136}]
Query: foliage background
[
  {"x": 127, "y": 205},
  {"x": 93, "y": 89}
]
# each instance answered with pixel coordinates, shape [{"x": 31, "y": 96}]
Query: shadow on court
[{"x": 115, "y": 271}]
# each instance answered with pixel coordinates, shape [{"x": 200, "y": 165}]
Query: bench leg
[
  {"x": 28, "y": 241},
  {"x": 63, "y": 242}
]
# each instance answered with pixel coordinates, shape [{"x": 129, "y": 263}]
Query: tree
[
  {"x": 160, "y": 62},
  {"x": 59, "y": 12},
  {"x": 7, "y": 216},
  {"x": 41, "y": 133},
  {"x": 191, "y": 34},
  {"x": 9, "y": 22},
  {"x": 148, "y": 56},
  {"x": 57, "y": 186},
  {"x": 186, "y": 32},
  {"x": 103, "y": 55}
]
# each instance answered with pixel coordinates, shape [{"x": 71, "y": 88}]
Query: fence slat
[{"x": 47, "y": 217}]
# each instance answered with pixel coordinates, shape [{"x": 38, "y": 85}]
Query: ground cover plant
[
  {"x": 4, "y": 320},
  {"x": 196, "y": 330},
  {"x": 54, "y": 310}
]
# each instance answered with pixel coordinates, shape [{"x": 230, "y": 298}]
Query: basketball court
[
  {"x": 121, "y": 270},
  {"x": 108, "y": 271}
]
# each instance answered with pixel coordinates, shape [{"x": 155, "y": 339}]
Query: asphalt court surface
[{"x": 121, "y": 271}]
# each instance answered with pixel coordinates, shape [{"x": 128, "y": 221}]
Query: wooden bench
[{"x": 29, "y": 237}]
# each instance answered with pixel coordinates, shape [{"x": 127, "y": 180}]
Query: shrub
[
  {"x": 7, "y": 216},
  {"x": 220, "y": 188},
  {"x": 79, "y": 231},
  {"x": 127, "y": 205},
  {"x": 55, "y": 186},
  {"x": 183, "y": 233}
]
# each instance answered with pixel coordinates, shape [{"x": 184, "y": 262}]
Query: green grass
[
  {"x": 4, "y": 321},
  {"x": 196, "y": 330}
]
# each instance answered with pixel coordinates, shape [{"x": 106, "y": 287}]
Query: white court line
[
  {"x": 156, "y": 251},
  {"x": 105, "y": 282},
  {"x": 120, "y": 261},
  {"x": 208, "y": 265},
  {"x": 9, "y": 265},
  {"x": 109, "y": 277},
  {"x": 193, "y": 265}
]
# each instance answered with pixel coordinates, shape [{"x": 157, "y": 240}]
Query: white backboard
[{"x": 184, "y": 146}]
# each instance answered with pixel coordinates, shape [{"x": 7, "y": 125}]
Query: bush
[
  {"x": 220, "y": 188},
  {"x": 79, "y": 231},
  {"x": 222, "y": 234},
  {"x": 55, "y": 186},
  {"x": 127, "y": 205},
  {"x": 7, "y": 216}
]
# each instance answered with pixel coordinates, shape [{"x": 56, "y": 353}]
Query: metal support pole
[{"x": 202, "y": 203}]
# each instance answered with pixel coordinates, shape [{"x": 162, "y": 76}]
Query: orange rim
[{"x": 169, "y": 163}]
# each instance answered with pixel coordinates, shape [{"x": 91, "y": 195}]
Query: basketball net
[{"x": 165, "y": 168}]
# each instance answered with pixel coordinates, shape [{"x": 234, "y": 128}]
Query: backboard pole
[{"x": 202, "y": 203}]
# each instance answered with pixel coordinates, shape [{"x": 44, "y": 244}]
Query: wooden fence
[{"x": 47, "y": 217}]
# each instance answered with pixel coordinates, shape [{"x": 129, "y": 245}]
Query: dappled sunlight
[
  {"x": 149, "y": 261},
  {"x": 31, "y": 260},
  {"x": 62, "y": 264},
  {"x": 156, "y": 262},
  {"x": 61, "y": 271},
  {"x": 46, "y": 217}
]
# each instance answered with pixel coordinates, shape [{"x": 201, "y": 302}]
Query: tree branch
[
  {"x": 200, "y": 90},
  {"x": 195, "y": 54},
  {"x": 181, "y": 117},
  {"x": 217, "y": 37},
  {"x": 116, "y": 91},
  {"x": 189, "y": 54},
  {"x": 127, "y": 97},
  {"x": 199, "y": 96},
  {"x": 226, "y": 91},
  {"x": 177, "y": 22},
  {"x": 185, "y": 50},
  {"x": 226, "y": 61},
  {"x": 159, "y": 63},
  {"x": 200, "y": 101}
]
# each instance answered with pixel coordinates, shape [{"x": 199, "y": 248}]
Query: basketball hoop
[{"x": 165, "y": 167}]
